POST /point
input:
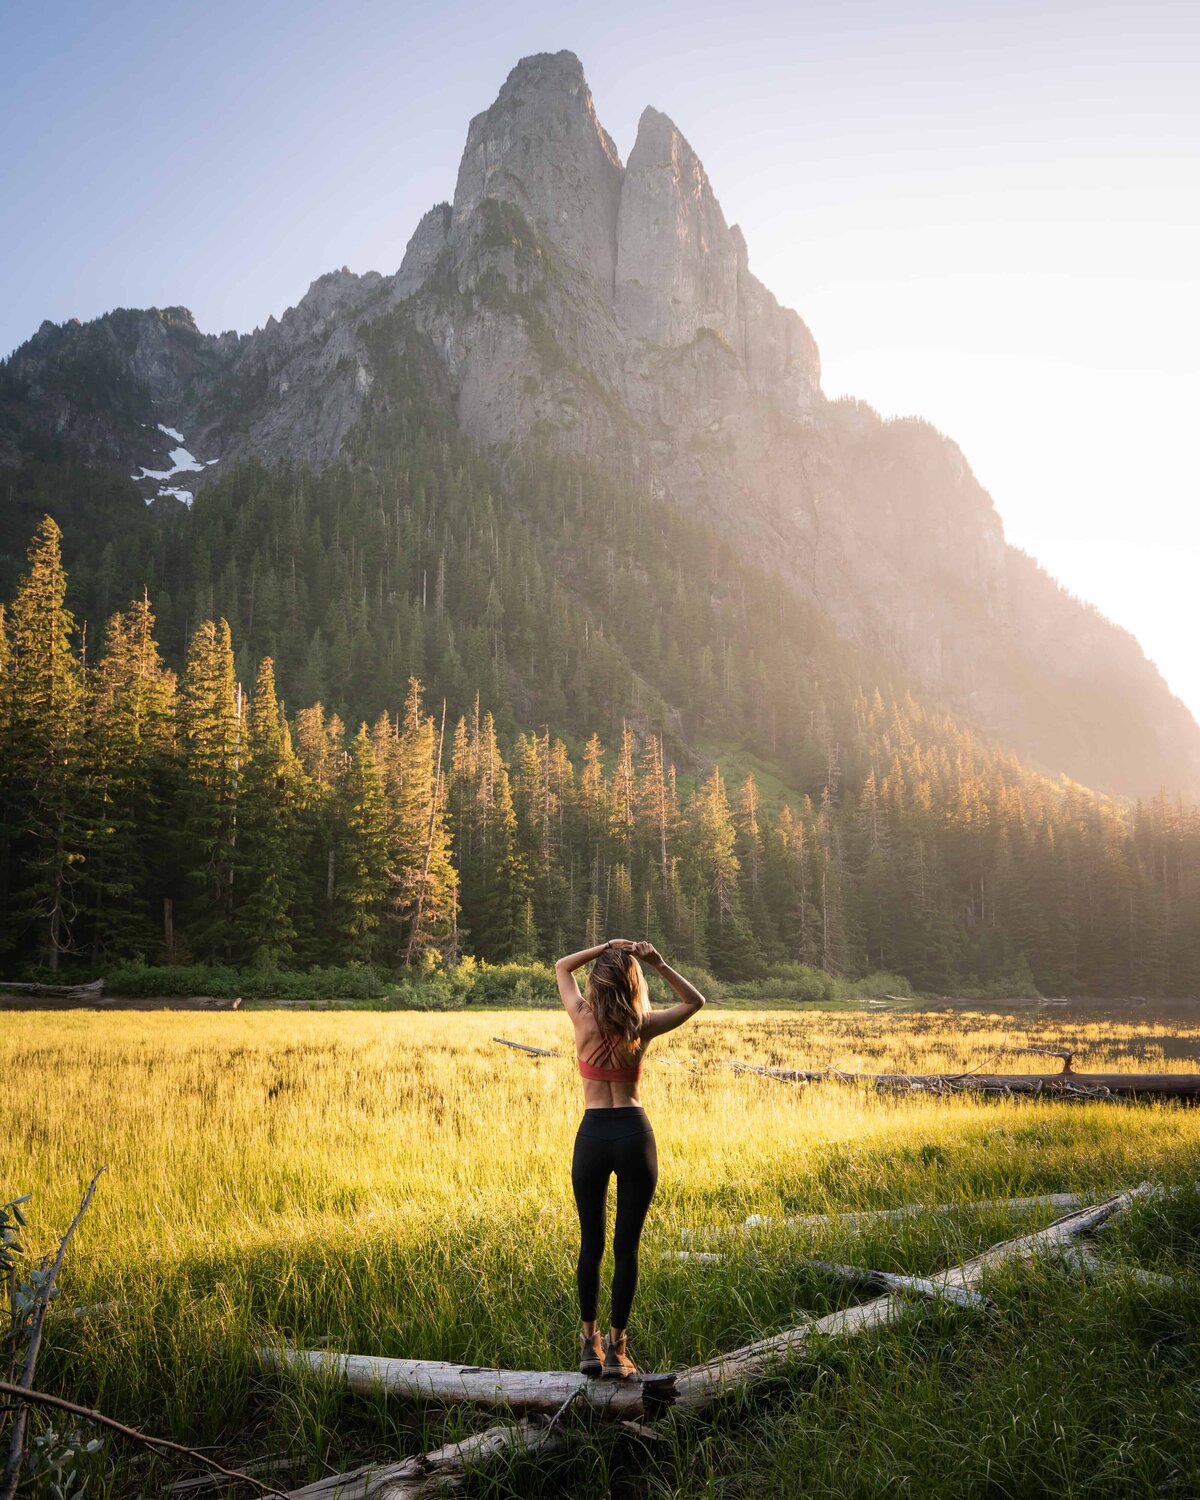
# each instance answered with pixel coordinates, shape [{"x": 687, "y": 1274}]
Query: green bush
[
  {"x": 514, "y": 984},
  {"x": 786, "y": 982},
  {"x": 138, "y": 981},
  {"x": 472, "y": 982},
  {"x": 141, "y": 981}
]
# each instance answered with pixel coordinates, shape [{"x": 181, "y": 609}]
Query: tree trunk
[{"x": 519, "y": 1391}]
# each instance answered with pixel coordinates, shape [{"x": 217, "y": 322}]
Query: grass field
[{"x": 398, "y": 1184}]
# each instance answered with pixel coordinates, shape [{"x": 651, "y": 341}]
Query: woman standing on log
[{"x": 613, "y": 1025}]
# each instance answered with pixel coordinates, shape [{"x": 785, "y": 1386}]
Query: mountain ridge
[{"x": 607, "y": 311}]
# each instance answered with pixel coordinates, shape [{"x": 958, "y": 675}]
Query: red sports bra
[{"x": 607, "y": 1049}]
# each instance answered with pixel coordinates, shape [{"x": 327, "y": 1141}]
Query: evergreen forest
[{"x": 347, "y": 731}]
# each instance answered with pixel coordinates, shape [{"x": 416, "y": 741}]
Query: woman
[{"x": 613, "y": 1026}]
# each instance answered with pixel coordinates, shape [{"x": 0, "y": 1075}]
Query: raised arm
[
  {"x": 564, "y": 972},
  {"x": 690, "y": 998}
]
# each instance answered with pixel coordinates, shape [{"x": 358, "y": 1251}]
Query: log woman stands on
[{"x": 613, "y": 1025}]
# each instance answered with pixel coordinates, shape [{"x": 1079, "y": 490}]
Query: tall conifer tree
[
  {"x": 363, "y": 880},
  {"x": 269, "y": 832},
  {"x": 212, "y": 773},
  {"x": 46, "y": 720},
  {"x": 132, "y": 756}
]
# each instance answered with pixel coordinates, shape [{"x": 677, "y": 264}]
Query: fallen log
[
  {"x": 860, "y": 1276},
  {"x": 702, "y": 1384},
  {"x": 93, "y": 989},
  {"x": 921, "y": 1286},
  {"x": 781, "y": 1075},
  {"x": 855, "y": 1217},
  {"x": 444, "y": 1470},
  {"x": 1065, "y": 1085},
  {"x": 524, "y": 1047},
  {"x": 521, "y": 1391},
  {"x": 1080, "y": 1258}
]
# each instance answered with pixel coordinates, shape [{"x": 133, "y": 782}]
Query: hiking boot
[
  {"x": 617, "y": 1363},
  {"x": 591, "y": 1354}
]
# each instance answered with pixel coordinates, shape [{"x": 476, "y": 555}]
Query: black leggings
[{"x": 612, "y": 1140}]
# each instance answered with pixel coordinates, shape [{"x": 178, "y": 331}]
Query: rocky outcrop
[
  {"x": 97, "y": 391},
  {"x": 304, "y": 377},
  {"x": 541, "y": 148},
  {"x": 677, "y": 262}
]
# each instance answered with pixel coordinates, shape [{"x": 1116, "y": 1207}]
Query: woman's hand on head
[
  {"x": 647, "y": 953},
  {"x": 626, "y": 945}
]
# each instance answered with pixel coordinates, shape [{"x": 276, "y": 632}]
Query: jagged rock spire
[
  {"x": 541, "y": 148},
  {"x": 677, "y": 263}
]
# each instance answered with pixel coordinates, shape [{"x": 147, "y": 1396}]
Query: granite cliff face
[{"x": 567, "y": 300}]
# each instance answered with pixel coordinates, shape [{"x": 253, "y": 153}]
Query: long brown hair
[{"x": 617, "y": 996}]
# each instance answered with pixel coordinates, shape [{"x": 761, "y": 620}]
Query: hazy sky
[{"x": 989, "y": 214}]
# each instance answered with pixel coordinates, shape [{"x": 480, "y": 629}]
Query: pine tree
[
  {"x": 271, "y": 800},
  {"x": 363, "y": 878},
  {"x": 210, "y": 721},
  {"x": 132, "y": 757},
  {"x": 622, "y": 800},
  {"x": 717, "y": 893},
  {"x": 504, "y": 925},
  {"x": 320, "y": 746},
  {"x": 593, "y": 799},
  {"x": 46, "y": 783},
  {"x": 424, "y": 881},
  {"x": 657, "y": 811},
  {"x": 748, "y": 846}
]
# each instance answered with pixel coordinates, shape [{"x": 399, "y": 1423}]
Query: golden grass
[
  {"x": 268, "y": 1122},
  {"x": 396, "y": 1183}
]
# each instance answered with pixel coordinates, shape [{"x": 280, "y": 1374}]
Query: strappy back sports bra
[{"x": 592, "y": 1068}]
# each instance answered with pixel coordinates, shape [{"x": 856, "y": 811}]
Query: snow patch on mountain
[{"x": 182, "y": 462}]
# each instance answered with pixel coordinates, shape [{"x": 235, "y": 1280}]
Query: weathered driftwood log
[
  {"x": 866, "y": 1216},
  {"x": 702, "y": 1384},
  {"x": 442, "y": 1471},
  {"x": 1065, "y": 1085},
  {"x": 860, "y": 1276},
  {"x": 921, "y": 1286},
  {"x": 1080, "y": 1258},
  {"x": 521, "y": 1391},
  {"x": 524, "y": 1047},
  {"x": 446, "y": 1469},
  {"x": 1045, "y": 1241},
  {"x": 87, "y": 991},
  {"x": 781, "y": 1075}
]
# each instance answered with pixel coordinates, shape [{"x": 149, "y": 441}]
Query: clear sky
[{"x": 989, "y": 214}]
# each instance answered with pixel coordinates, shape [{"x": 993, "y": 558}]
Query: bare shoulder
[{"x": 570, "y": 995}]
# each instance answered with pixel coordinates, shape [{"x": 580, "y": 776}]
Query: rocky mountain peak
[
  {"x": 610, "y": 312},
  {"x": 541, "y": 148},
  {"x": 677, "y": 263}
]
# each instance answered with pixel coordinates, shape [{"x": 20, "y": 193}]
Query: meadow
[{"x": 398, "y": 1184}]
